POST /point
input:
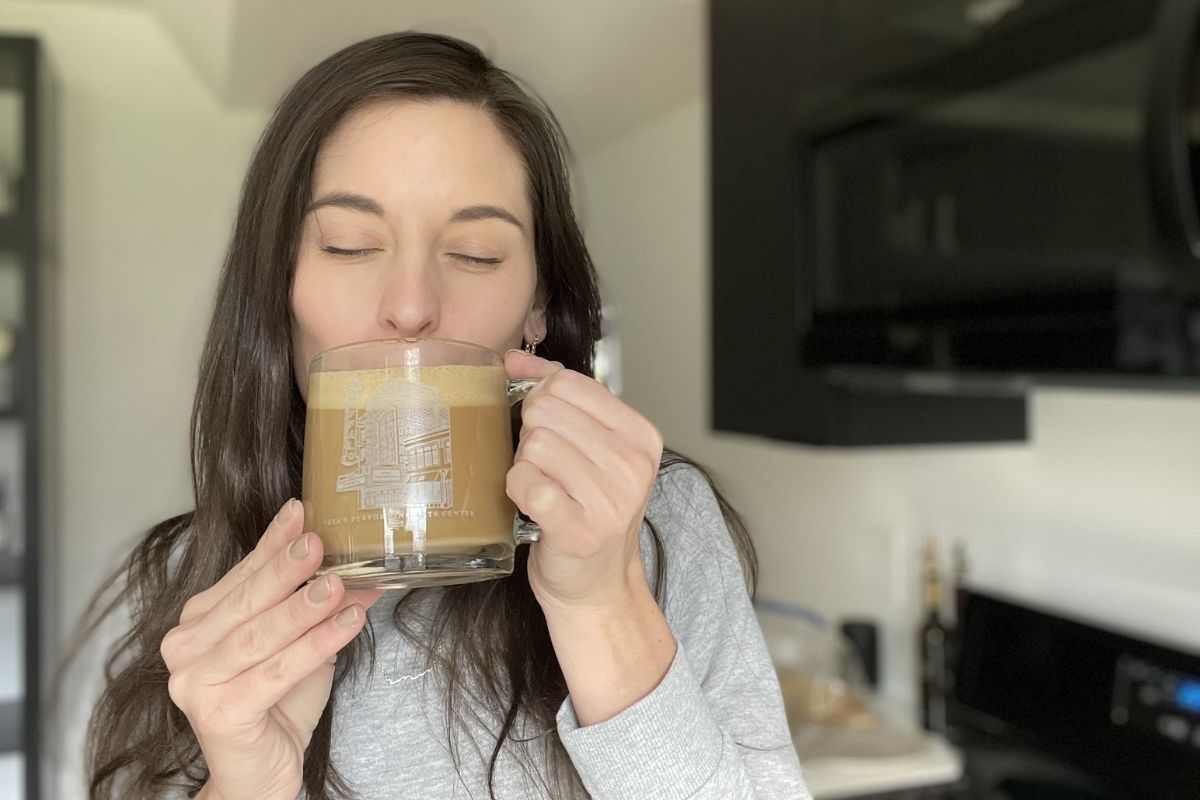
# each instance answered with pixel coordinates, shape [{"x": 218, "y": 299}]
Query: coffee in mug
[{"x": 406, "y": 451}]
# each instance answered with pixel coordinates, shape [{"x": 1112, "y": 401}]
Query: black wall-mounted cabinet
[
  {"x": 764, "y": 55},
  {"x": 922, "y": 208}
]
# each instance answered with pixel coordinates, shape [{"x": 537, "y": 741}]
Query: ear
[{"x": 535, "y": 324}]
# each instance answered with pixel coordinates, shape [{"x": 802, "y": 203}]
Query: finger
[
  {"x": 365, "y": 597},
  {"x": 622, "y": 459},
  {"x": 563, "y": 463},
  {"x": 541, "y": 499},
  {"x": 519, "y": 364},
  {"x": 262, "y": 686},
  {"x": 284, "y": 529},
  {"x": 592, "y": 398},
  {"x": 268, "y": 586},
  {"x": 308, "y": 697},
  {"x": 580, "y": 430},
  {"x": 589, "y": 394},
  {"x": 263, "y": 636}
]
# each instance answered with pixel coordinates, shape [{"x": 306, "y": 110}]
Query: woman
[{"x": 408, "y": 187}]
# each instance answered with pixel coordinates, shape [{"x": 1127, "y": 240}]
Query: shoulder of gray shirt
[{"x": 684, "y": 511}]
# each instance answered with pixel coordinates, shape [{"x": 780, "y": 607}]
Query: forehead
[{"x": 402, "y": 150}]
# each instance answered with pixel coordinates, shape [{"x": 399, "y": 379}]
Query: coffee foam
[{"x": 457, "y": 385}]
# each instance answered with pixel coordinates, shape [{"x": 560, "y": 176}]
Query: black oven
[
  {"x": 1020, "y": 199},
  {"x": 1050, "y": 707}
]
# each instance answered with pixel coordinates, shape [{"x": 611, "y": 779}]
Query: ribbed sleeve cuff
[{"x": 666, "y": 745}]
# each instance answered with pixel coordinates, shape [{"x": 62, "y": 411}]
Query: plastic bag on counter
[
  {"x": 822, "y": 678},
  {"x": 832, "y": 712}
]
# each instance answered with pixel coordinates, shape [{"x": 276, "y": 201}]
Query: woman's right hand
[{"x": 252, "y": 661}]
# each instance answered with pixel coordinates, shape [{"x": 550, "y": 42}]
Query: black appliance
[
  {"x": 1049, "y": 707},
  {"x": 920, "y": 209},
  {"x": 1026, "y": 203}
]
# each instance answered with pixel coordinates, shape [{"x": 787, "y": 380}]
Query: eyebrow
[
  {"x": 354, "y": 202},
  {"x": 472, "y": 213},
  {"x": 358, "y": 202}
]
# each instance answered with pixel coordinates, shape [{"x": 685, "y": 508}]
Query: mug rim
[{"x": 406, "y": 340}]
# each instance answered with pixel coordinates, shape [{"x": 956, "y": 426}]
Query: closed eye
[
  {"x": 475, "y": 259},
  {"x": 343, "y": 253}
]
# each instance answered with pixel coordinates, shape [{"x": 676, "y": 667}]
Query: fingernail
[
  {"x": 346, "y": 617},
  {"x": 299, "y": 548},
  {"x": 318, "y": 591},
  {"x": 514, "y": 350},
  {"x": 285, "y": 513}
]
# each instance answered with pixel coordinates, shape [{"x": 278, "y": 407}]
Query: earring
[{"x": 531, "y": 347}]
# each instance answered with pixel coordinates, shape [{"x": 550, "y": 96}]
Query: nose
[{"x": 409, "y": 300}]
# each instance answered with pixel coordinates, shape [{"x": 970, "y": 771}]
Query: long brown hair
[{"x": 248, "y": 432}]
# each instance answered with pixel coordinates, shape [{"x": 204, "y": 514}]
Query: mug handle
[
  {"x": 524, "y": 531},
  {"x": 519, "y": 389}
]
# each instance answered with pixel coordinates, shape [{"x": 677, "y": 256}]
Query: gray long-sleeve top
[{"x": 713, "y": 729}]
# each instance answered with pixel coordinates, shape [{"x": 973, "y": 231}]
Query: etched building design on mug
[{"x": 398, "y": 446}]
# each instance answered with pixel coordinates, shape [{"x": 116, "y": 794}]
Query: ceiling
[{"x": 604, "y": 66}]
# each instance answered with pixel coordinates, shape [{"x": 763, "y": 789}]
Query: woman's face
[{"x": 420, "y": 225}]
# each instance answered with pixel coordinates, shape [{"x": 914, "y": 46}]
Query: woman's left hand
[{"x": 583, "y": 472}]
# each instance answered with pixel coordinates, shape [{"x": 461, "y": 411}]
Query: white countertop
[{"x": 859, "y": 763}]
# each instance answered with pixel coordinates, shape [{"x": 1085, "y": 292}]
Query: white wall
[
  {"x": 149, "y": 169},
  {"x": 1098, "y": 515}
]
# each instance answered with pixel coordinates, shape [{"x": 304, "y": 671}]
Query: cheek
[
  {"x": 306, "y": 326},
  {"x": 492, "y": 315},
  {"x": 302, "y": 355},
  {"x": 303, "y": 351},
  {"x": 311, "y": 328},
  {"x": 324, "y": 311}
]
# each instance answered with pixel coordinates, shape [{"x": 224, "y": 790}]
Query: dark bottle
[
  {"x": 959, "y": 562},
  {"x": 954, "y": 636},
  {"x": 932, "y": 641}
]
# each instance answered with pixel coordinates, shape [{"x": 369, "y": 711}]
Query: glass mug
[{"x": 407, "y": 446}]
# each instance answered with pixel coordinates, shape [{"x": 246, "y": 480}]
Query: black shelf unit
[
  {"x": 24, "y": 235},
  {"x": 12, "y": 573},
  {"x": 10, "y": 726}
]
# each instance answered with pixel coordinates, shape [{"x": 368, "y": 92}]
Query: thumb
[{"x": 519, "y": 364}]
